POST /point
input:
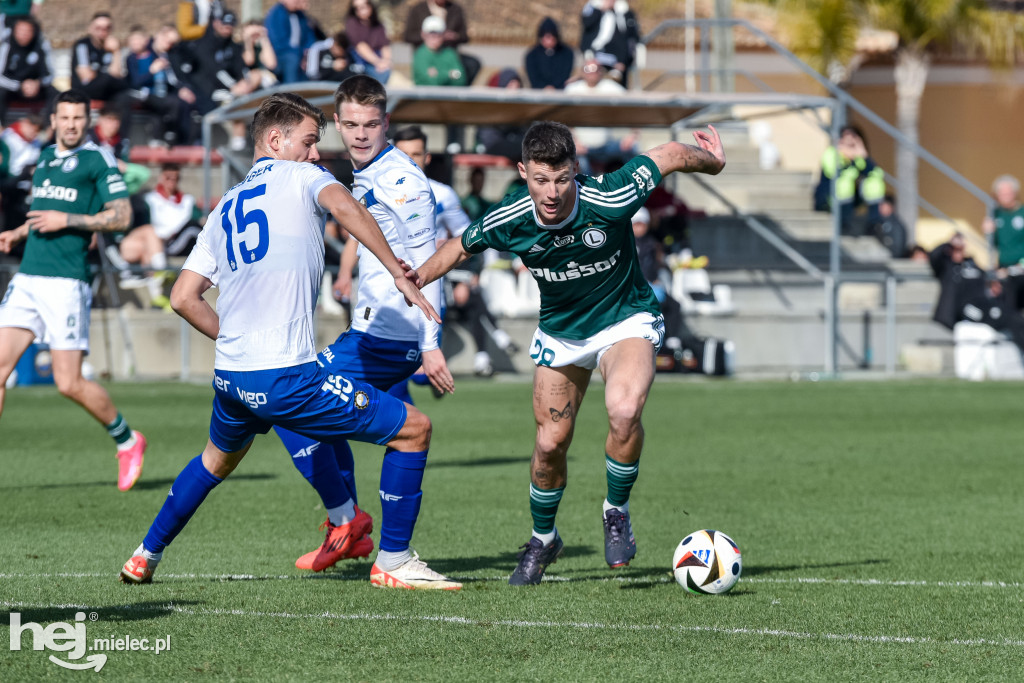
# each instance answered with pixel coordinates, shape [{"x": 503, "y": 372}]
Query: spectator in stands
[
  {"x": 258, "y": 52},
  {"x": 369, "y": 39},
  {"x": 97, "y": 68},
  {"x": 597, "y": 145},
  {"x": 474, "y": 203},
  {"x": 155, "y": 83},
  {"x": 195, "y": 16},
  {"x": 549, "y": 62},
  {"x": 19, "y": 152},
  {"x": 26, "y": 69},
  {"x": 106, "y": 134},
  {"x": 502, "y": 140},
  {"x": 967, "y": 293},
  {"x": 171, "y": 231},
  {"x": 219, "y": 73},
  {"x": 291, "y": 33},
  {"x": 609, "y": 30},
  {"x": 890, "y": 230},
  {"x": 859, "y": 183},
  {"x": 330, "y": 59},
  {"x": 1006, "y": 227},
  {"x": 433, "y": 63},
  {"x": 455, "y": 32}
]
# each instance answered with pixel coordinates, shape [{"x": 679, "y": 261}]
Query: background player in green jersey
[
  {"x": 574, "y": 234},
  {"x": 76, "y": 191}
]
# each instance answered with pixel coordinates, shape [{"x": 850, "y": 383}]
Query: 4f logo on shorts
[{"x": 339, "y": 386}]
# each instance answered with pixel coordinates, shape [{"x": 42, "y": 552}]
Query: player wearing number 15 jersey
[
  {"x": 574, "y": 234},
  {"x": 263, "y": 248}
]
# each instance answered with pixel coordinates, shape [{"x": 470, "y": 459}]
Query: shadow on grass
[
  {"x": 505, "y": 562},
  {"x": 139, "y": 611},
  {"x": 756, "y": 570},
  {"x": 483, "y": 462},
  {"x": 141, "y": 485}
]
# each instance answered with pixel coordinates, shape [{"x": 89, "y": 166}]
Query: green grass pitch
[{"x": 880, "y": 525}]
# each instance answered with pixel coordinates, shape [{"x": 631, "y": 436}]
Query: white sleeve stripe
[
  {"x": 610, "y": 205},
  {"x": 525, "y": 210},
  {"x": 499, "y": 213},
  {"x": 105, "y": 153},
  {"x": 609, "y": 194}
]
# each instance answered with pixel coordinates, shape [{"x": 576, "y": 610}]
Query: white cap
[
  {"x": 433, "y": 24},
  {"x": 642, "y": 216}
]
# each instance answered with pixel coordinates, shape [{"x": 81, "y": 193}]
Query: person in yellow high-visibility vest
[{"x": 859, "y": 182}]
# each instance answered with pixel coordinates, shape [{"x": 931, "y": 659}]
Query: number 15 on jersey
[{"x": 251, "y": 247}]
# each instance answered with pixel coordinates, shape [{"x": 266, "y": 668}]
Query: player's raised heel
[
  {"x": 340, "y": 542},
  {"x": 534, "y": 558},
  {"x": 619, "y": 544},
  {"x": 413, "y": 575},
  {"x": 129, "y": 462},
  {"x": 136, "y": 571}
]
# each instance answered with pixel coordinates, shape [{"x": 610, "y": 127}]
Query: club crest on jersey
[
  {"x": 70, "y": 164},
  {"x": 361, "y": 400},
  {"x": 594, "y": 238},
  {"x": 563, "y": 240}
]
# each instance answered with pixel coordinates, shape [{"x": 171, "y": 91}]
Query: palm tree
[{"x": 824, "y": 33}]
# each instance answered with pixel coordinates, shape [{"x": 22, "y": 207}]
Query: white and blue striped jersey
[
  {"x": 396, "y": 193},
  {"x": 452, "y": 220},
  {"x": 263, "y": 248}
]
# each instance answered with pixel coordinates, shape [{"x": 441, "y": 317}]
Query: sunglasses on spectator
[{"x": 591, "y": 68}]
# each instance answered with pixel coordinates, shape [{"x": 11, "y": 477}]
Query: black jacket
[
  {"x": 216, "y": 63},
  {"x": 18, "y": 63},
  {"x": 961, "y": 284},
  {"x": 621, "y": 47}
]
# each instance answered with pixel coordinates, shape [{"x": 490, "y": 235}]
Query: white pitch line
[
  {"x": 557, "y": 579},
  {"x": 519, "y": 623}
]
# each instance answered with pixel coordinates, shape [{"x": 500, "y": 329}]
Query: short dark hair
[
  {"x": 284, "y": 111},
  {"x": 341, "y": 40},
  {"x": 410, "y": 133},
  {"x": 73, "y": 97},
  {"x": 362, "y": 90},
  {"x": 170, "y": 166},
  {"x": 550, "y": 143},
  {"x": 101, "y": 15},
  {"x": 109, "y": 110}
]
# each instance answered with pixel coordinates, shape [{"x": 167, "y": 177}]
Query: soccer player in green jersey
[
  {"x": 573, "y": 232},
  {"x": 76, "y": 191}
]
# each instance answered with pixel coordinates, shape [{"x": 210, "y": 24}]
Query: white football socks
[
  {"x": 343, "y": 514},
  {"x": 389, "y": 561},
  {"x": 624, "y": 509},
  {"x": 546, "y": 538},
  {"x": 151, "y": 558}
]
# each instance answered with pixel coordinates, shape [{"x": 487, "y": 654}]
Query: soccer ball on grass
[{"x": 707, "y": 562}]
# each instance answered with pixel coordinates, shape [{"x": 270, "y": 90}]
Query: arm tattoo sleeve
[{"x": 116, "y": 215}]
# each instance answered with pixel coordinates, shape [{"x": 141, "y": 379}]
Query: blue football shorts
[
  {"x": 365, "y": 358},
  {"x": 307, "y": 399}
]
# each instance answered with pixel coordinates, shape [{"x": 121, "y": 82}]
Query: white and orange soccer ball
[{"x": 707, "y": 562}]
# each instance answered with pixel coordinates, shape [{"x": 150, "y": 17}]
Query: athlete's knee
[
  {"x": 69, "y": 386},
  {"x": 624, "y": 419},
  {"x": 552, "y": 442},
  {"x": 417, "y": 431}
]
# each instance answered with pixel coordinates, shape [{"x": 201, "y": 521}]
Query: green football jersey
[
  {"x": 1009, "y": 236},
  {"x": 79, "y": 181},
  {"x": 586, "y": 267}
]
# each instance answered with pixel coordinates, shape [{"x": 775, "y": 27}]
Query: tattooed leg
[{"x": 557, "y": 395}]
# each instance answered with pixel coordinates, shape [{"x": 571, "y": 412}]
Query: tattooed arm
[
  {"x": 115, "y": 216},
  {"x": 707, "y": 156}
]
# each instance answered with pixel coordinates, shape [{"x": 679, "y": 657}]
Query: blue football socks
[
  {"x": 400, "y": 479},
  {"x": 186, "y": 495}
]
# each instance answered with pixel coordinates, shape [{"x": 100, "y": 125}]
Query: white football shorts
[
  {"x": 55, "y": 309},
  {"x": 554, "y": 352}
]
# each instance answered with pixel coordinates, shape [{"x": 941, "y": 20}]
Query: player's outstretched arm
[
  {"x": 9, "y": 238},
  {"x": 351, "y": 215},
  {"x": 444, "y": 259},
  {"x": 188, "y": 302},
  {"x": 115, "y": 216},
  {"x": 708, "y": 156}
]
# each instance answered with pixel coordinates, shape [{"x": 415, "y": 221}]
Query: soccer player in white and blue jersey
[
  {"x": 387, "y": 341},
  {"x": 263, "y": 248}
]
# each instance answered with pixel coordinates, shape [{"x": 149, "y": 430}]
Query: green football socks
[{"x": 620, "y": 480}]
